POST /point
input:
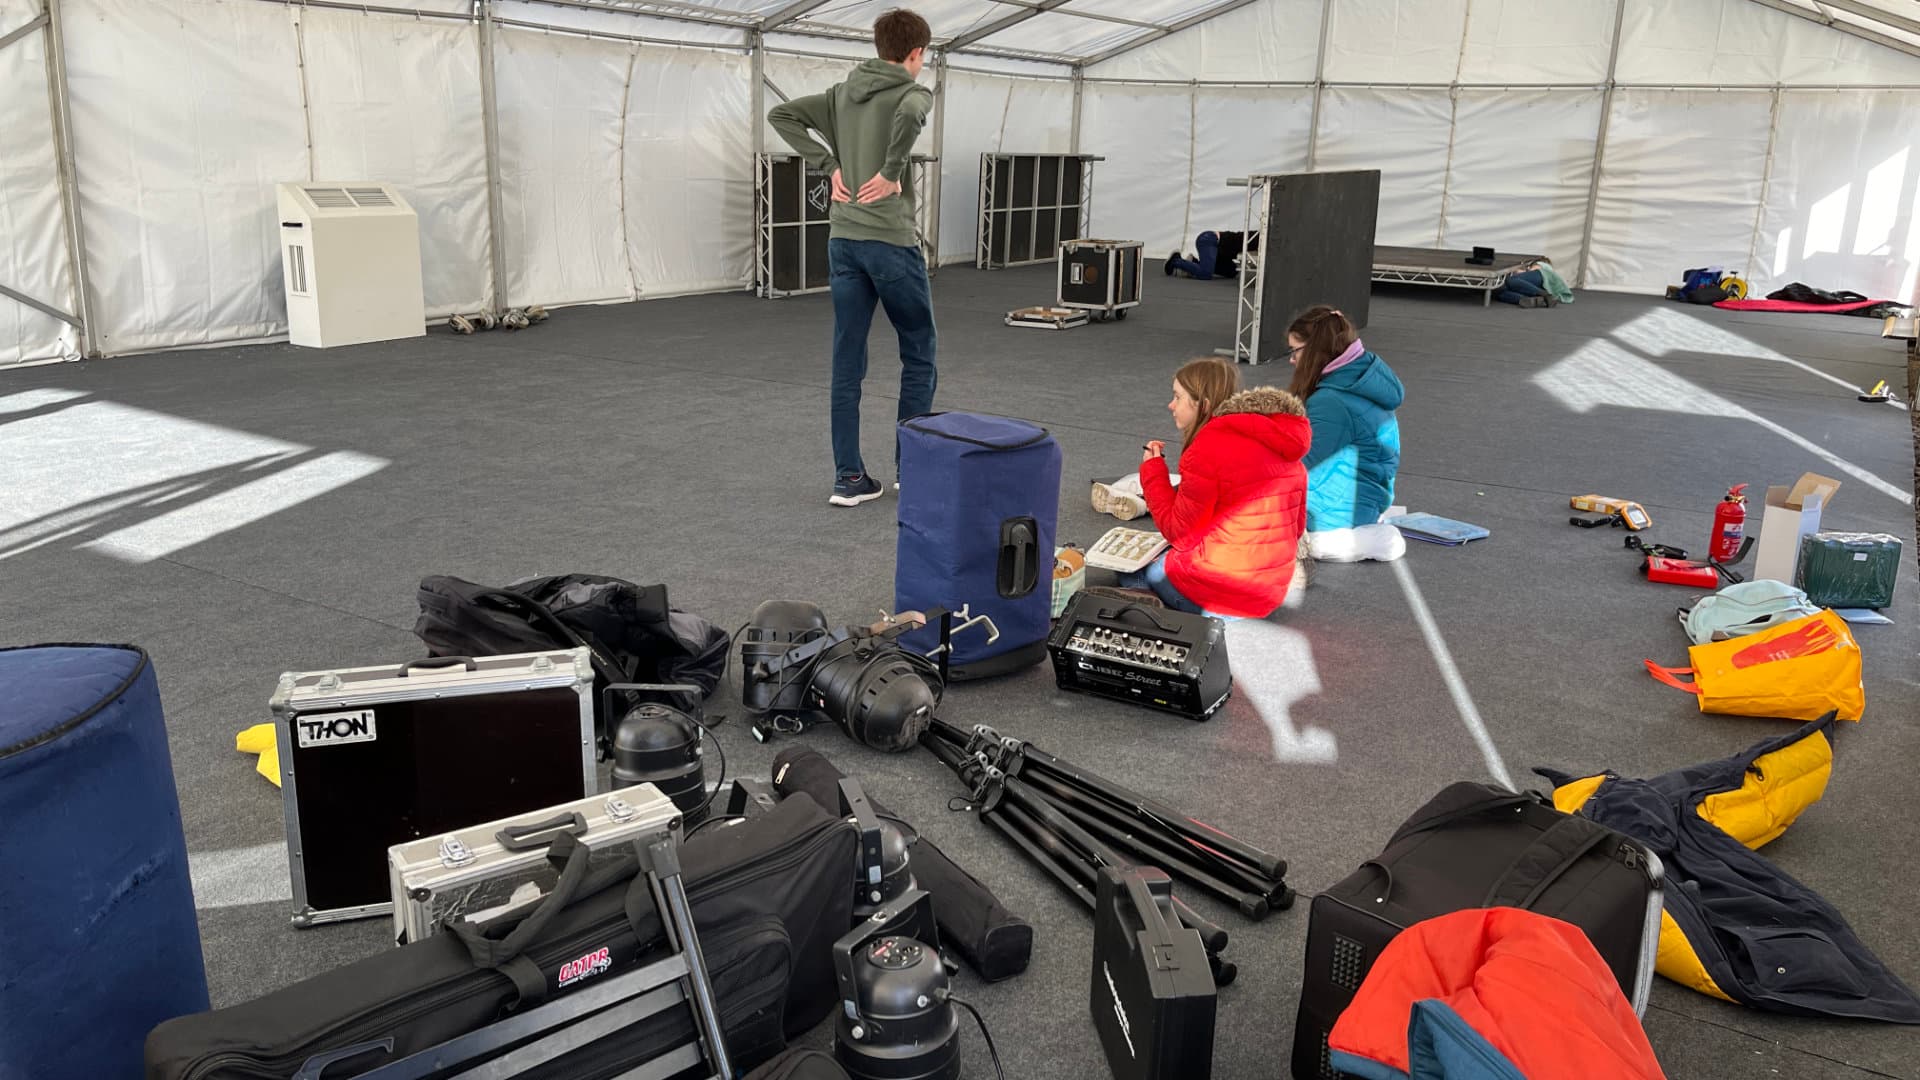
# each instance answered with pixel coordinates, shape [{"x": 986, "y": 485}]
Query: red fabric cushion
[{"x": 1792, "y": 305}]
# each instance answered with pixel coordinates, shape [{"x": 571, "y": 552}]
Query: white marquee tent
[{"x": 581, "y": 151}]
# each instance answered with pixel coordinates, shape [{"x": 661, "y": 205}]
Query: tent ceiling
[
  {"x": 1088, "y": 31},
  {"x": 1064, "y": 31}
]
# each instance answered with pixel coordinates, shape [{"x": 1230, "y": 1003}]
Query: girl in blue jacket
[{"x": 1351, "y": 395}]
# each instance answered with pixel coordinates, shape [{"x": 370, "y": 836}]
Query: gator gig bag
[
  {"x": 978, "y": 498},
  {"x": 769, "y": 897},
  {"x": 1478, "y": 846}
]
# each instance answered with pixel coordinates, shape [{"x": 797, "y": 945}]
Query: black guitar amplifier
[
  {"x": 1157, "y": 657},
  {"x": 1153, "y": 994}
]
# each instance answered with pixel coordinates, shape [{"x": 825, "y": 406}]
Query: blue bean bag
[{"x": 98, "y": 937}]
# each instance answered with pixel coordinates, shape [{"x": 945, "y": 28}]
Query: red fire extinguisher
[{"x": 1729, "y": 523}]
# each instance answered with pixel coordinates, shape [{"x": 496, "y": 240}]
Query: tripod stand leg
[{"x": 663, "y": 873}]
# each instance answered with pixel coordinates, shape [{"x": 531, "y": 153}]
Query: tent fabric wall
[
  {"x": 392, "y": 100},
  {"x": 1680, "y": 185},
  {"x": 177, "y": 188},
  {"x": 689, "y": 171},
  {"x": 1146, "y": 135},
  {"x": 561, "y": 102},
  {"x": 1564, "y": 42},
  {"x": 1520, "y": 172},
  {"x": 1404, "y": 134},
  {"x": 992, "y": 114},
  {"x": 1237, "y": 132},
  {"x": 1272, "y": 41},
  {"x": 1843, "y": 199},
  {"x": 33, "y": 241}
]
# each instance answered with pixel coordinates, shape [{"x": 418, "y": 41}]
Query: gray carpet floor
[{"x": 243, "y": 512}]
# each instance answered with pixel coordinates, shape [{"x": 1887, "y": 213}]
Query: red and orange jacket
[{"x": 1235, "y": 521}]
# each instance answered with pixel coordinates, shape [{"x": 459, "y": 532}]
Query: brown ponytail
[{"x": 1327, "y": 334}]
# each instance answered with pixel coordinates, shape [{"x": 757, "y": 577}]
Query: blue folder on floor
[{"x": 1437, "y": 530}]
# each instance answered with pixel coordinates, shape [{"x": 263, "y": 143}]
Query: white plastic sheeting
[
  {"x": 186, "y": 114},
  {"x": 33, "y": 252},
  {"x": 392, "y": 100},
  {"x": 1680, "y": 186},
  {"x": 989, "y": 114}
]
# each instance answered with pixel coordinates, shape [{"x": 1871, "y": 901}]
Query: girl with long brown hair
[
  {"x": 1234, "y": 522},
  {"x": 1351, "y": 396}
]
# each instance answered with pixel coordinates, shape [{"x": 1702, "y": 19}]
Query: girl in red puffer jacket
[{"x": 1234, "y": 523}]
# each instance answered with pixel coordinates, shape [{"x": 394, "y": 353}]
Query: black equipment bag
[
  {"x": 800, "y": 1064},
  {"x": 769, "y": 897},
  {"x": 635, "y": 636},
  {"x": 993, "y": 941},
  {"x": 1152, "y": 997},
  {"x": 1475, "y": 846}
]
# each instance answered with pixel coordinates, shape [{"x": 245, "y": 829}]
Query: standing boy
[{"x": 861, "y": 132}]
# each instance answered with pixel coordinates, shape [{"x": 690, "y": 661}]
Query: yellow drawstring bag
[{"x": 1799, "y": 670}]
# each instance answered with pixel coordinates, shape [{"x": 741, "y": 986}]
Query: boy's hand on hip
[
  {"x": 840, "y": 193},
  {"x": 878, "y": 188}
]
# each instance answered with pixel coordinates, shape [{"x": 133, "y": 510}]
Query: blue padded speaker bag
[
  {"x": 978, "y": 499},
  {"x": 98, "y": 937}
]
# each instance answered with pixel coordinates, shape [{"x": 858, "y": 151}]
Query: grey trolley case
[{"x": 1474, "y": 846}]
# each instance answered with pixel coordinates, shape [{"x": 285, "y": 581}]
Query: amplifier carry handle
[
  {"x": 438, "y": 662},
  {"x": 1153, "y": 920},
  {"x": 529, "y": 837}
]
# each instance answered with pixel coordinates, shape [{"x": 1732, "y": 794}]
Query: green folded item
[{"x": 1849, "y": 570}]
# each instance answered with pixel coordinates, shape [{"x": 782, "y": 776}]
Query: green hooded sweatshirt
[{"x": 868, "y": 125}]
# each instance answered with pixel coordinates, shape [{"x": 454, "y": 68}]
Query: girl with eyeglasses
[{"x": 1351, "y": 395}]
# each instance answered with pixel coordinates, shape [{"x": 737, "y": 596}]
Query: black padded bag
[
  {"x": 799, "y": 1064},
  {"x": 770, "y": 897},
  {"x": 1475, "y": 846}
]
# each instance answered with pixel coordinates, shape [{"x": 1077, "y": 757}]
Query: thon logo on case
[{"x": 335, "y": 729}]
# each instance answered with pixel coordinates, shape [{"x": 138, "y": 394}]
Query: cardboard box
[{"x": 1791, "y": 514}]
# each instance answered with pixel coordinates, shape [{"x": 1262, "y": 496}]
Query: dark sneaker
[
  {"x": 1168, "y": 265},
  {"x": 1533, "y": 301},
  {"x": 854, "y": 490}
]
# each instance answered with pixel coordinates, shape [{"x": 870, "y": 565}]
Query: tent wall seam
[
  {"x": 1766, "y": 181},
  {"x": 1453, "y": 124},
  {"x": 306, "y": 99},
  {"x": 626, "y": 245},
  {"x": 62, "y": 116}
]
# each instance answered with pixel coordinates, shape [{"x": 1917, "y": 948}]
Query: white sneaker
[
  {"x": 1367, "y": 543},
  {"x": 1108, "y": 499}
]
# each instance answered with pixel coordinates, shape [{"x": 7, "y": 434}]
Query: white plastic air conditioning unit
[{"x": 351, "y": 256}]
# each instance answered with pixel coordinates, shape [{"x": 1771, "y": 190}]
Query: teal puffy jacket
[{"x": 1356, "y": 444}]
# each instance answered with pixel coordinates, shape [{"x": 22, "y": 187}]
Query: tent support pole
[
  {"x": 1320, "y": 85},
  {"x": 490, "y": 119},
  {"x": 1079, "y": 91},
  {"x": 936, "y": 176},
  {"x": 1600, "y": 149},
  {"x": 62, "y": 115},
  {"x": 758, "y": 43}
]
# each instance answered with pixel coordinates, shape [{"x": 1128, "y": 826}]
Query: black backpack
[{"x": 634, "y": 634}]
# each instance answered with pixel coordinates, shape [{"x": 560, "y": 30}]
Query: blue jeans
[
  {"x": 1154, "y": 576},
  {"x": 865, "y": 273},
  {"x": 1520, "y": 285},
  {"x": 1207, "y": 247}
]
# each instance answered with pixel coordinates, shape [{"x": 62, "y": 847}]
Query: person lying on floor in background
[
  {"x": 1218, "y": 256},
  {"x": 1234, "y": 522},
  {"x": 1350, "y": 396},
  {"x": 1535, "y": 287}
]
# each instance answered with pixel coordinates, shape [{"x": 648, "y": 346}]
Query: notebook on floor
[{"x": 1437, "y": 530}]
